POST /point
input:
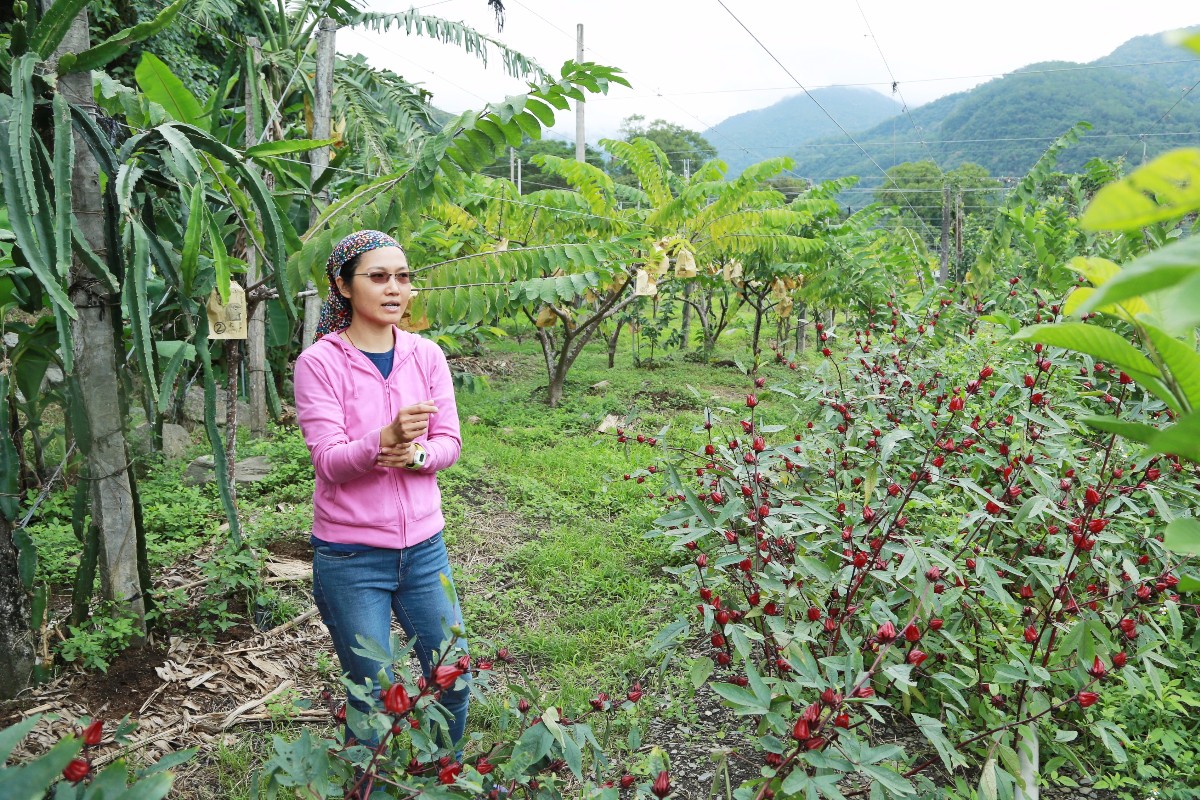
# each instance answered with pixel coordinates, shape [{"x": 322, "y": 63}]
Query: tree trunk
[
  {"x": 319, "y": 158},
  {"x": 759, "y": 311},
  {"x": 801, "y": 327},
  {"x": 16, "y": 639},
  {"x": 612, "y": 342},
  {"x": 685, "y": 321},
  {"x": 233, "y": 363},
  {"x": 96, "y": 367}
]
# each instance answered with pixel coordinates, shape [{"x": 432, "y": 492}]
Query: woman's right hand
[{"x": 410, "y": 424}]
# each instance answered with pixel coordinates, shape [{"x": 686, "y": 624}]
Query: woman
[{"x": 376, "y": 407}]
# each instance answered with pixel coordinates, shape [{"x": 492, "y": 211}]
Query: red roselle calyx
[
  {"x": 446, "y": 675},
  {"x": 662, "y": 784},
  {"x": 1086, "y": 699},
  {"x": 911, "y": 632},
  {"x": 93, "y": 733},
  {"x": 449, "y": 773},
  {"x": 77, "y": 770},
  {"x": 396, "y": 700},
  {"x": 800, "y": 731},
  {"x": 887, "y": 633},
  {"x": 635, "y": 693},
  {"x": 1098, "y": 669}
]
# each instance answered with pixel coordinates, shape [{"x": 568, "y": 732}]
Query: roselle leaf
[
  {"x": 1111, "y": 735},
  {"x": 701, "y": 670},
  {"x": 1183, "y": 536},
  {"x": 742, "y": 701}
]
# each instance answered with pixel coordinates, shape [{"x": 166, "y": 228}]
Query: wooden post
[
  {"x": 319, "y": 158},
  {"x": 256, "y": 327}
]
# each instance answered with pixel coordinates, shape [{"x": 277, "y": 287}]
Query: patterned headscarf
[{"x": 335, "y": 311}]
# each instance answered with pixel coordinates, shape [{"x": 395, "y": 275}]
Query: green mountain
[
  {"x": 1006, "y": 123},
  {"x": 777, "y": 130}
]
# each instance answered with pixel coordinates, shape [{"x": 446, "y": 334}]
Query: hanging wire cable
[
  {"x": 896, "y": 88},
  {"x": 824, "y": 110}
]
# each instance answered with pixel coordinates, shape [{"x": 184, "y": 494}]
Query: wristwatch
[{"x": 419, "y": 458}]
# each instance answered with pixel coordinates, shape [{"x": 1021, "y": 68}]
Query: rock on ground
[{"x": 249, "y": 470}]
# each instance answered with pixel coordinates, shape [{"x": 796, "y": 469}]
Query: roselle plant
[
  {"x": 70, "y": 771},
  {"x": 941, "y": 545},
  {"x": 536, "y": 750}
]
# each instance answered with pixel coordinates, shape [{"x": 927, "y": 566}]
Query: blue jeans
[{"x": 357, "y": 593}]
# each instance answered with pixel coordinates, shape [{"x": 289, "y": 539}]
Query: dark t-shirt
[{"x": 382, "y": 361}]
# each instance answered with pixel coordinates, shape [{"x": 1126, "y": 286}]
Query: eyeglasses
[{"x": 381, "y": 277}]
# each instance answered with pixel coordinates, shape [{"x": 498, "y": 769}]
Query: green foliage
[
  {"x": 1153, "y": 295},
  {"x": 920, "y": 189},
  {"x": 97, "y": 642},
  {"x": 42, "y": 776},
  {"x": 681, "y": 146},
  {"x": 1163, "y": 757},
  {"x": 534, "y": 176}
]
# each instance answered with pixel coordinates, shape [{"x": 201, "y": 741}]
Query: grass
[{"x": 584, "y": 591}]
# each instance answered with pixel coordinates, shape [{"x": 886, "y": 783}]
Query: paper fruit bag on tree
[
  {"x": 546, "y": 318},
  {"x": 644, "y": 287},
  {"x": 658, "y": 264},
  {"x": 685, "y": 264}
]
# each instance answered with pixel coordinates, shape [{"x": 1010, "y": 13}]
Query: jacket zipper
[{"x": 400, "y": 506}]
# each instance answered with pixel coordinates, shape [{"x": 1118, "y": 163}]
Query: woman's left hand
[{"x": 397, "y": 457}]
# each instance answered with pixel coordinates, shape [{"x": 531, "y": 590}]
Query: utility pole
[
  {"x": 518, "y": 176},
  {"x": 319, "y": 158},
  {"x": 512, "y": 165},
  {"x": 958, "y": 234},
  {"x": 580, "y": 143},
  {"x": 944, "y": 272},
  {"x": 256, "y": 327},
  {"x": 687, "y": 169}
]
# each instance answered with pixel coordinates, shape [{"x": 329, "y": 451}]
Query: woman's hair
[{"x": 347, "y": 271}]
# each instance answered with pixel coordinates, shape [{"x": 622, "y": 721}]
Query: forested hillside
[
  {"x": 1006, "y": 123},
  {"x": 749, "y": 137}
]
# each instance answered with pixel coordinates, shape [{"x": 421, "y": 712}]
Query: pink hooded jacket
[{"x": 342, "y": 402}]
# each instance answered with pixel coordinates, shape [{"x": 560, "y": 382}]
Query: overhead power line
[{"x": 862, "y": 84}]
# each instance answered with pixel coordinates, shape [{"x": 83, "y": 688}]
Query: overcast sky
[{"x": 693, "y": 64}]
